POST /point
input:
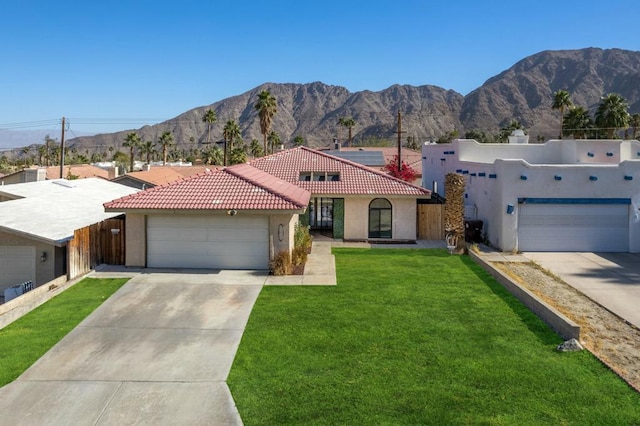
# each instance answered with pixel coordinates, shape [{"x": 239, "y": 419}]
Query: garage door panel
[
  {"x": 214, "y": 242},
  {"x": 573, "y": 227},
  {"x": 177, "y": 234}
]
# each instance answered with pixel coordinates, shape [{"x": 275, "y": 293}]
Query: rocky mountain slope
[{"x": 523, "y": 92}]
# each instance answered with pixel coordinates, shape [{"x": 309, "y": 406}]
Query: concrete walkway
[{"x": 320, "y": 268}]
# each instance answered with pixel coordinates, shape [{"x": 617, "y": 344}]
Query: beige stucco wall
[
  {"x": 356, "y": 218},
  {"x": 282, "y": 240},
  {"x": 45, "y": 271},
  {"x": 136, "y": 240}
]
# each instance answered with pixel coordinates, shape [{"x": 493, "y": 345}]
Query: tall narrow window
[{"x": 380, "y": 218}]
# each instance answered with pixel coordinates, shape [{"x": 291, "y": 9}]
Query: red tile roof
[
  {"x": 240, "y": 187},
  {"x": 82, "y": 171},
  {"x": 160, "y": 175},
  {"x": 355, "y": 179}
]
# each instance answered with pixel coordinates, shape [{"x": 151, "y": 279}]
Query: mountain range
[{"x": 523, "y": 92}]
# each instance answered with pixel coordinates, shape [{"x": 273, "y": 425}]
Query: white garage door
[
  {"x": 210, "y": 242},
  {"x": 17, "y": 264},
  {"x": 573, "y": 227}
]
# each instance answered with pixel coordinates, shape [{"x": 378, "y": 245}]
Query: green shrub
[
  {"x": 299, "y": 256},
  {"x": 281, "y": 264},
  {"x": 301, "y": 236}
]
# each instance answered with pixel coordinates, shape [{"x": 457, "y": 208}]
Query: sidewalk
[{"x": 320, "y": 268}]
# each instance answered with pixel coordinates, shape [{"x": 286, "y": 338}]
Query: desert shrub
[
  {"x": 281, "y": 264},
  {"x": 299, "y": 256},
  {"x": 301, "y": 236}
]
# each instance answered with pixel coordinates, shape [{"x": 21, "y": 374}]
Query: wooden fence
[
  {"x": 99, "y": 243},
  {"x": 431, "y": 222}
]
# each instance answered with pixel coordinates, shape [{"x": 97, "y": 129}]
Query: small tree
[
  {"x": 406, "y": 172},
  {"x": 298, "y": 141},
  {"x": 561, "y": 100}
]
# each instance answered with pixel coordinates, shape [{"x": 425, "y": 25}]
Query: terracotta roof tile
[
  {"x": 355, "y": 179},
  {"x": 239, "y": 187},
  {"x": 160, "y": 175}
]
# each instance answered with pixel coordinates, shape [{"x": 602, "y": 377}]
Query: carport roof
[
  {"x": 51, "y": 210},
  {"x": 239, "y": 187}
]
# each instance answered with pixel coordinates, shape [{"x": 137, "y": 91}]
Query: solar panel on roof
[{"x": 366, "y": 158}]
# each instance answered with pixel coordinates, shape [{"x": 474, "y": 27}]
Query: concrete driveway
[
  {"x": 611, "y": 279},
  {"x": 157, "y": 352}
]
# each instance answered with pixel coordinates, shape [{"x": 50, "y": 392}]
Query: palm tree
[
  {"x": 212, "y": 155},
  {"x": 42, "y": 153},
  {"x": 634, "y": 122},
  {"x": 349, "y": 123},
  {"x": 298, "y": 141},
  {"x": 237, "y": 156},
  {"x": 267, "y": 107},
  {"x": 561, "y": 100},
  {"x": 230, "y": 132},
  {"x": 209, "y": 117},
  {"x": 256, "y": 149},
  {"x": 132, "y": 141},
  {"x": 274, "y": 140},
  {"x": 165, "y": 141},
  {"x": 577, "y": 122},
  {"x": 148, "y": 148},
  {"x": 612, "y": 114}
]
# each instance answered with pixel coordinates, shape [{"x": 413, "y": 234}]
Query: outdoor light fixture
[
  {"x": 232, "y": 212},
  {"x": 510, "y": 208},
  {"x": 43, "y": 256},
  {"x": 280, "y": 232}
]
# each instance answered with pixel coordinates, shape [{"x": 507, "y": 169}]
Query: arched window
[{"x": 380, "y": 218}]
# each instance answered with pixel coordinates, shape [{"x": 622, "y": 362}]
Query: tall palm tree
[
  {"x": 561, "y": 100},
  {"x": 209, "y": 117},
  {"x": 274, "y": 140},
  {"x": 165, "y": 141},
  {"x": 612, "y": 114},
  {"x": 349, "y": 123},
  {"x": 230, "y": 132},
  {"x": 148, "y": 148},
  {"x": 577, "y": 122},
  {"x": 133, "y": 142},
  {"x": 267, "y": 107}
]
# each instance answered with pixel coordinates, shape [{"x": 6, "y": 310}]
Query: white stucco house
[{"x": 563, "y": 195}]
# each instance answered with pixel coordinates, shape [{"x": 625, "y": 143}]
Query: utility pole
[
  {"x": 399, "y": 142},
  {"x": 62, "y": 151}
]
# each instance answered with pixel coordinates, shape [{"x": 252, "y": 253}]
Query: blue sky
[{"x": 113, "y": 65}]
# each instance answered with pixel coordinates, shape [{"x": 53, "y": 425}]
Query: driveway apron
[{"x": 157, "y": 352}]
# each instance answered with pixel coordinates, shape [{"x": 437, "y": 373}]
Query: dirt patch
[{"x": 614, "y": 341}]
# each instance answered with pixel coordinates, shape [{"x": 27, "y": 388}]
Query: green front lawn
[
  {"x": 414, "y": 337},
  {"x": 28, "y": 338}
]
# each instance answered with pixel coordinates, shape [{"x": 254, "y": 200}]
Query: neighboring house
[
  {"x": 74, "y": 171},
  {"x": 563, "y": 195},
  {"x": 38, "y": 221},
  {"x": 159, "y": 175},
  {"x": 240, "y": 216},
  {"x": 378, "y": 157}
]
